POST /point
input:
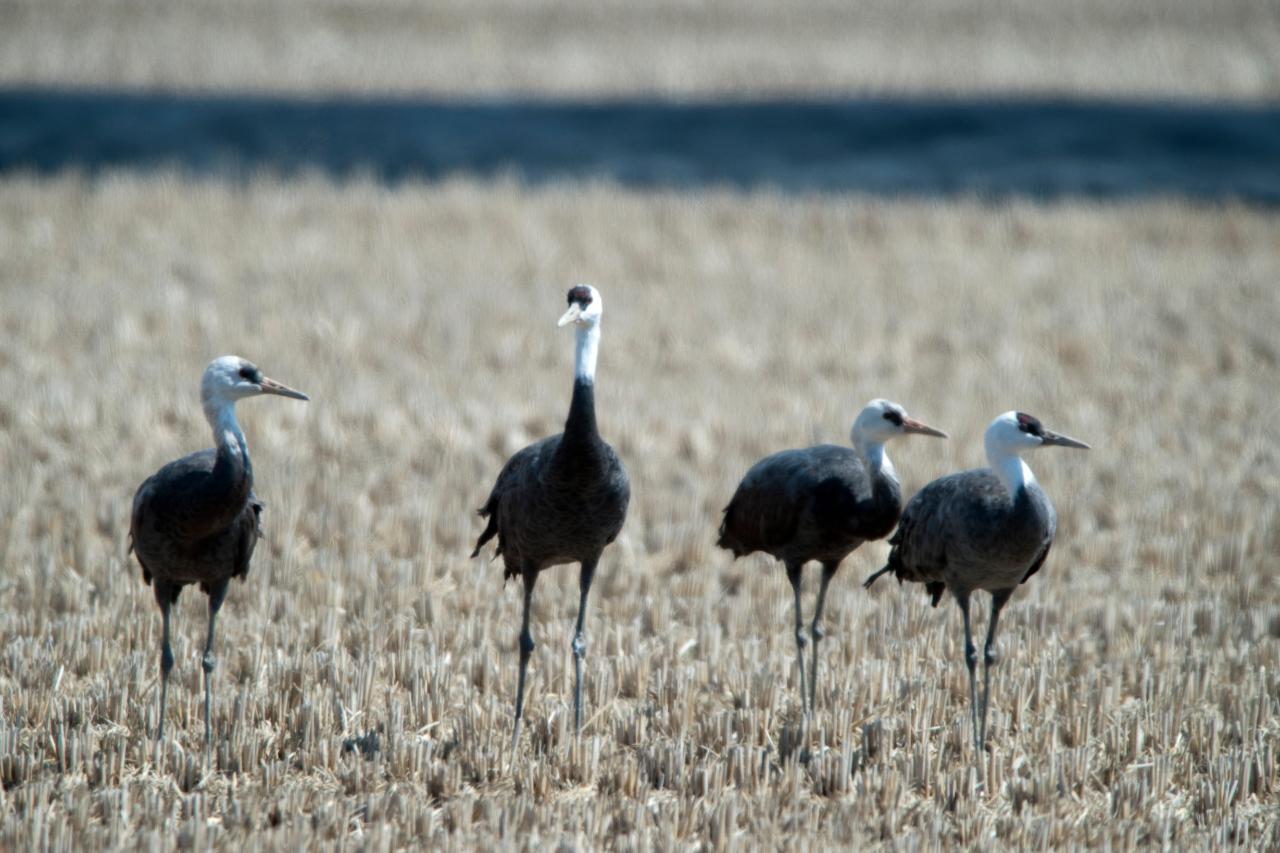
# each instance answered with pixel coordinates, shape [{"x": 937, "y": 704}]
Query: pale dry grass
[
  {"x": 1136, "y": 703},
  {"x": 1161, "y": 48}
]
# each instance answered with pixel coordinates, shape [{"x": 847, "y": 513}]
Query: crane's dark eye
[
  {"x": 250, "y": 373},
  {"x": 893, "y": 417},
  {"x": 1030, "y": 425},
  {"x": 581, "y": 295}
]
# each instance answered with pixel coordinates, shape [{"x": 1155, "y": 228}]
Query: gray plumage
[
  {"x": 197, "y": 520},
  {"x": 980, "y": 530},
  {"x": 560, "y": 500},
  {"x": 964, "y": 532},
  {"x": 817, "y": 503},
  {"x": 820, "y": 503}
]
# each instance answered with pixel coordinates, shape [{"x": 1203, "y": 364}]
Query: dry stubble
[{"x": 1136, "y": 700}]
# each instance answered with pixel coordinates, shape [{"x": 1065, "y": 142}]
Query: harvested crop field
[
  {"x": 367, "y": 667},
  {"x": 366, "y": 671}
]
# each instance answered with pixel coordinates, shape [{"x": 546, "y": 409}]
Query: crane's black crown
[
  {"x": 580, "y": 295},
  {"x": 1029, "y": 424}
]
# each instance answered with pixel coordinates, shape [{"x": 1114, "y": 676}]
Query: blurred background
[{"x": 1087, "y": 98}]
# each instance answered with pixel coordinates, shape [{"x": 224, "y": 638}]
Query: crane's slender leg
[
  {"x": 998, "y": 600},
  {"x": 530, "y": 575},
  {"x": 165, "y": 596},
  {"x": 971, "y": 659},
  {"x": 217, "y": 593},
  {"x": 828, "y": 572},
  {"x": 579, "y": 641},
  {"x": 793, "y": 575}
]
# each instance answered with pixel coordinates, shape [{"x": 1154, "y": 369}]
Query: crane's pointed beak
[
  {"x": 270, "y": 386},
  {"x": 570, "y": 316},
  {"x": 911, "y": 426},
  {"x": 1055, "y": 440}
]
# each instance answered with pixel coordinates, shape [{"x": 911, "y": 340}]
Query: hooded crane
[
  {"x": 196, "y": 520},
  {"x": 560, "y": 500},
  {"x": 821, "y": 503},
  {"x": 986, "y": 528}
]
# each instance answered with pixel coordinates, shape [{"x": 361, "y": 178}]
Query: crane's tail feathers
[
  {"x": 732, "y": 545},
  {"x": 490, "y": 529},
  {"x": 497, "y": 552},
  {"x": 869, "y": 581},
  {"x": 727, "y": 540},
  {"x": 484, "y": 537}
]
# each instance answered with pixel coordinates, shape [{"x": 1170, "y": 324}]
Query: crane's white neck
[
  {"x": 588, "y": 348},
  {"x": 878, "y": 461},
  {"x": 1014, "y": 473},
  {"x": 221, "y": 414}
]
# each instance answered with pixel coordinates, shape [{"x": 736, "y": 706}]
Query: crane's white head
[
  {"x": 881, "y": 420},
  {"x": 585, "y": 306},
  {"x": 1016, "y": 433},
  {"x": 232, "y": 378}
]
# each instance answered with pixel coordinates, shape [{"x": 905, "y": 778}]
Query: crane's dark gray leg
[
  {"x": 828, "y": 572},
  {"x": 217, "y": 593},
  {"x": 793, "y": 575},
  {"x": 526, "y": 648},
  {"x": 579, "y": 641},
  {"x": 998, "y": 601},
  {"x": 165, "y": 596},
  {"x": 971, "y": 659}
]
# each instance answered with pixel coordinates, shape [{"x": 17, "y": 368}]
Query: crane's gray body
[
  {"x": 559, "y": 500},
  {"x": 196, "y": 520},
  {"x": 815, "y": 503},
  {"x": 966, "y": 532}
]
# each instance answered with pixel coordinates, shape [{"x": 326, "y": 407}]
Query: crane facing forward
[
  {"x": 821, "y": 503},
  {"x": 196, "y": 520},
  {"x": 986, "y": 528},
  {"x": 560, "y": 500}
]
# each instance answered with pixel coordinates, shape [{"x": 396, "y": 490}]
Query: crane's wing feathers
[
  {"x": 187, "y": 526},
  {"x": 967, "y": 520},
  {"x": 555, "y": 503},
  {"x": 764, "y": 512},
  {"x": 140, "y": 500},
  {"x": 807, "y": 501},
  {"x": 920, "y": 544},
  {"x": 918, "y": 548},
  {"x": 250, "y": 530},
  {"x": 1035, "y": 567},
  {"x": 525, "y": 465},
  {"x": 175, "y": 497}
]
